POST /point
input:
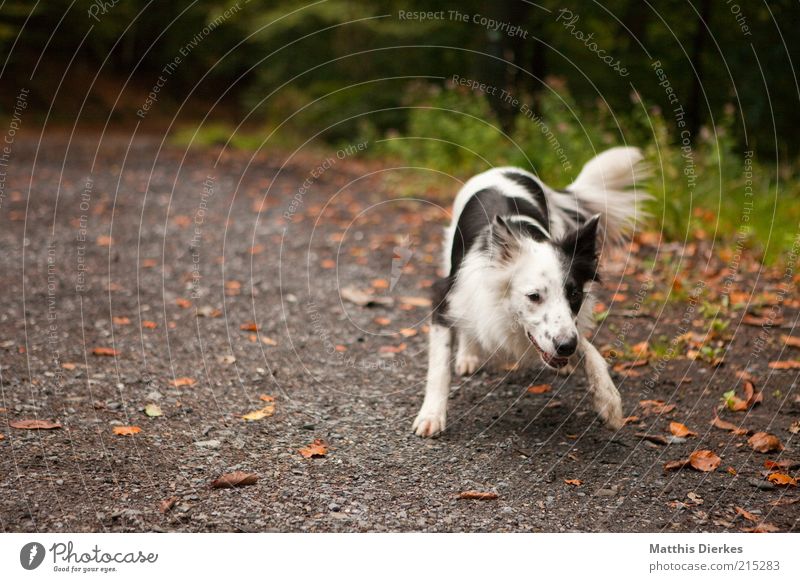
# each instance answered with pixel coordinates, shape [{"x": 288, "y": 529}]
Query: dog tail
[{"x": 610, "y": 185}]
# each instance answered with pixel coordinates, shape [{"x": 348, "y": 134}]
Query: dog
[{"x": 521, "y": 261}]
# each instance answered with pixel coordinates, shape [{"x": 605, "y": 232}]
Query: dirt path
[{"x": 183, "y": 253}]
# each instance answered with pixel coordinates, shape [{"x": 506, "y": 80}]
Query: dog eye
[{"x": 534, "y": 297}]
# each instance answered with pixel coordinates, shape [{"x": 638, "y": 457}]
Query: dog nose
[{"x": 567, "y": 348}]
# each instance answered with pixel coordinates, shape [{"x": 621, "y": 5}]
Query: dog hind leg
[{"x": 432, "y": 415}]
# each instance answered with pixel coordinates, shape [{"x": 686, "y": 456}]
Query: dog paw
[
  {"x": 429, "y": 423},
  {"x": 610, "y": 410},
  {"x": 467, "y": 364}
]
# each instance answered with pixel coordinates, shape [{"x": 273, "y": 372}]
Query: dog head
[{"x": 546, "y": 281}]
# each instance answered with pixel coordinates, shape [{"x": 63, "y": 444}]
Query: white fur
[{"x": 492, "y": 322}]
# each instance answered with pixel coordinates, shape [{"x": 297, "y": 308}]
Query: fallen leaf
[
  {"x": 725, "y": 425},
  {"x": 671, "y": 465},
  {"x": 763, "y": 442},
  {"x": 790, "y": 340},
  {"x": 762, "y": 528},
  {"x": 268, "y": 341},
  {"x": 574, "y": 482},
  {"x": 316, "y": 449},
  {"x": 795, "y": 427},
  {"x": 266, "y": 398},
  {"x": 121, "y": 320},
  {"x": 408, "y": 332},
  {"x": 69, "y": 366},
  {"x": 392, "y": 349},
  {"x": 327, "y": 264},
  {"x": 624, "y": 366},
  {"x": 104, "y": 241},
  {"x": 785, "y": 501},
  {"x": 260, "y": 413},
  {"x": 415, "y": 301},
  {"x": 249, "y": 326},
  {"x": 704, "y": 460},
  {"x": 630, "y": 419},
  {"x": 149, "y": 324},
  {"x": 782, "y": 479},
  {"x": 34, "y": 424},
  {"x": 785, "y": 365},
  {"x": 167, "y": 504},
  {"x": 680, "y": 430},
  {"x": 783, "y": 464},
  {"x": 126, "y": 430},
  {"x": 153, "y": 410},
  {"x": 380, "y": 284},
  {"x": 382, "y": 320},
  {"x": 478, "y": 495},
  {"x": 363, "y": 298},
  {"x": 540, "y": 389},
  {"x": 235, "y": 479},
  {"x": 184, "y": 381},
  {"x": 652, "y": 407},
  {"x": 747, "y": 515},
  {"x": 105, "y": 352},
  {"x": 183, "y": 303},
  {"x": 2, "y": 436}
]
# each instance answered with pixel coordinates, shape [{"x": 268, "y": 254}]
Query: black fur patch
[
  {"x": 439, "y": 292},
  {"x": 535, "y": 190},
  {"x": 580, "y": 256}
]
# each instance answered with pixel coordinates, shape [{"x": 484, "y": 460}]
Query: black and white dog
[{"x": 521, "y": 260}]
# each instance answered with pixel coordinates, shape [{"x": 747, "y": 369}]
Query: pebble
[{"x": 209, "y": 444}]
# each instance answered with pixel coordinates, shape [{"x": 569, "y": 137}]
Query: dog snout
[{"x": 566, "y": 347}]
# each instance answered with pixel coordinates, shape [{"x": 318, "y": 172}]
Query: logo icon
[{"x": 31, "y": 555}]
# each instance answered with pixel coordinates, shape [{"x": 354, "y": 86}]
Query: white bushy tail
[{"x": 610, "y": 184}]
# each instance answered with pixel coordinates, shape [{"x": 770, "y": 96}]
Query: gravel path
[{"x": 164, "y": 257}]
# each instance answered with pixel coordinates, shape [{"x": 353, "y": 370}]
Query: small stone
[{"x": 209, "y": 444}]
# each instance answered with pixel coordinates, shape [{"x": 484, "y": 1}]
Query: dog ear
[
  {"x": 580, "y": 246},
  {"x": 503, "y": 240}
]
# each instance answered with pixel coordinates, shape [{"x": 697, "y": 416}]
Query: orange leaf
[
  {"x": 235, "y": 479},
  {"x": 392, "y": 349},
  {"x": 105, "y": 352},
  {"x": 540, "y": 389},
  {"x": 574, "y": 482},
  {"x": 69, "y": 366},
  {"x": 380, "y": 284},
  {"x": 178, "y": 382},
  {"x": 675, "y": 464},
  {"x": 120, "y": 320},
  {"x": 704, "y": 460},
  {"x": 763, "y": 442},
  {"x": 680, "y": 430},
  {"x": 784, "y": 464},
  {"x": 316, "y": 449},
  {"x": 34, "y": 424},
  {"x": 746, "y": 514},
  {"x": 167, "y": 504},
  {"x": 408, "y": 332},
  {"x": 104, "y": 241},
  {"x": 149, "y": 324},
  {"x": 656, "y": 407},
  {"x": 328, "y": 264},
  {"x": 183, "y": 303},
  {"x": 725, "y": 425},
  {"x": 782, "y": 479},
  {"x": 478, "y": 495},
  {"x": 382, "y": 320},
  {"x": 267, "y": 398},
  {"x": 249, "y": 326},
  {"x": 126, "y": 430},
  {"x": 791, "y": 340},
  {"x": 785, "y": 365},
  {"x": 415, "y": 301}
]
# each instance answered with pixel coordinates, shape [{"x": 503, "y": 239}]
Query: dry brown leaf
[
  {"x": 574, "y": 482},
  {"x": 625, "y": 366},
  {"x": 268, "y": 410},
  {"x": 104, "y": 241},
  {"x": 782, "y": 479},
  {"x": 316, "y": 449},
  {"x": 105, "y": 352},
  {"x": 763, "y": 442},
  {"x": 69, "y": 366},
  {"x": 121, "y": 320},
  {"x": 680, "y": 430},
  {"x": 762, "y": 528},
  {"x": 671, "y": 465},
  {"x": 382, "y": 320},
  {"x": 235, "y": 479},
  {"x": 478, "y": 495},
  {"x": 327, "y": 264},
  {"x": 725, "y": 425},
  {"x": 630, "y": 419},
  {"x": 266, "y": 398},
  {"x": 167, "y": 504},
  {"x": 183, "y": 303},
  {"x": 782, "y": 464},
  {"x": 380, "y": 284},
  {"x": 652, "y": 407},
  {"x": 249, "y": 326},
  {"x": 540, "y": 389},
  {"x": 392, "y": 349},
  {"x": 149, "y": 324},
  {"x": 268, "y": 341},
  {"x": 747, "y": 515},
  {"x": 408, "y": 332},
  {"x": 785, "y": 365},
  {"x": 126, "y": 430},
  {"x": 415, "y": 301},
  {"x": 791, "y": 340},
  {"x": 34, "y": 424},
  {"x": 704, "y": 460},
  {"x": 184, "y": 381},
  {"x": 2, "y": 436}
]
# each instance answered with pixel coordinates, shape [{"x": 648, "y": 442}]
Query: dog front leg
[
  {"x": 607, "y": 401},
  {"x": 432, "y": 415}
]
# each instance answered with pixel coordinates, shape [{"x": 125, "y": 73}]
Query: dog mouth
[{"x": 549, "y": 359}]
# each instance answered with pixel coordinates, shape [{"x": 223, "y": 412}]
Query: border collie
[{"x": 521, "y": 260}]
